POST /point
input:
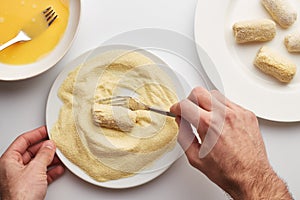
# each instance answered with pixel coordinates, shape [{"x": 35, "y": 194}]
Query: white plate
[
  {"x": 11, "y": 73},
  {"x": 52, "y": 112},
  {"x": 242, "y": 82}
]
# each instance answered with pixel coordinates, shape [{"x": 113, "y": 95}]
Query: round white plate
[
  {"x": 11, "y": 73},
  {"x": 52, "y": 112},
  {"x": 241, "y": 81}
]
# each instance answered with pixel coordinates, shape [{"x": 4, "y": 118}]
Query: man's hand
[
  {"x": 28, "y": 166},
  {"x": 232, "y": 153}
]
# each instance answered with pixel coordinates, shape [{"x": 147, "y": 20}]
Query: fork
[
  {"x": 27, "y": 33},
  {"x": 133, "y": 104}
]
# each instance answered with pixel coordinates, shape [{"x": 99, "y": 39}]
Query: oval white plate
[
  {"x": 242, "y": 82},
  {"x": 52, "y": 112},
  {"x": 11, "y": 73}
]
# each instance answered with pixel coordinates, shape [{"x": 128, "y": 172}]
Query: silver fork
[
  {"x": 24, "y": 35},
  {"x": 132, "y": 104}
]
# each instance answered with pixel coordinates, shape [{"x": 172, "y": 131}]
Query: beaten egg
[{"x": 17, "y": 14}]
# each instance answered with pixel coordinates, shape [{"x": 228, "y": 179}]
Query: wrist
[
  {"x": 262, "y": 185},
  {"x": 14, "y": 195},
  {"x": 8, "y": 196}
]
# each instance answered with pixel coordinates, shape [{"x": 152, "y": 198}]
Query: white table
[{"x": 22, "y": 106}]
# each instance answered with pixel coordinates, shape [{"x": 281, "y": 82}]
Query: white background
[{"x": 22, "y": 106}]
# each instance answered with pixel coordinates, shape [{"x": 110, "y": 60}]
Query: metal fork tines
[
  {"x": 132, "y": 104},
  {"x": 50, "y": 15},
  {"x": 31, "y": 29}
]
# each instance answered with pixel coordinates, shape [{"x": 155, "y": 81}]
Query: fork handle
[
  {"x": 20, "y": 37},
  {"x": 162, "y": 112}
]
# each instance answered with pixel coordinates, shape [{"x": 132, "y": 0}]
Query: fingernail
[{"x": 49, "y": 144}]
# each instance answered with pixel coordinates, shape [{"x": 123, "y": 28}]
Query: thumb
[{"x": 46, "y": 153}]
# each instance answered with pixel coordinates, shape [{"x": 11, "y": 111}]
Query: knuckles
[
  {"x": 251, "y": 115},
  {"x": 230, "y": 116},
  {"x": 196, "y": 91}
]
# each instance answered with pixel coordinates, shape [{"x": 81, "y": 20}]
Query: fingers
[
  {"x": 188, "y": 141},
  {"x": 204, "y": 109},
  {"x": 56, "y": 168},
  {"x": 201, "y": 97},
  {"x": 56, "y": 161},
  {"x": 192, "y": 113},
  {"x": 31, "y": 152},
  {"x": 54, "y": 173},
  {"x": 221, "y": 99},
  {"x": 192, "y": 153},
  {"x": 209, "y": 100},
  {"x": 25, "y": 140},
  {"x": 45, "y": 154}
]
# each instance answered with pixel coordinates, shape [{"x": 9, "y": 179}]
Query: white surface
[
  {"x": 10, "y": 73},
  {"x": 242, "y": 81},
  {"x": 22, "y": 106}
]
